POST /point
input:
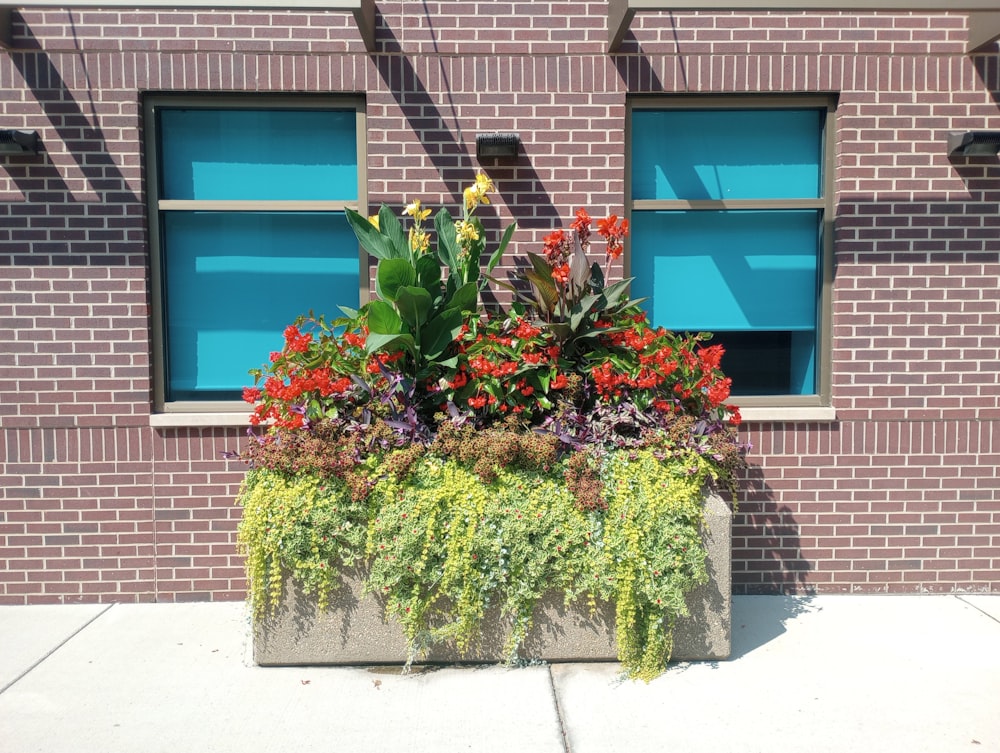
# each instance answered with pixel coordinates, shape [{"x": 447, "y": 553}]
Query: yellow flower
[
  {"x": 419, "y": 241},
  {"x": 374, "y": 221},
  {"x": 416, "y": 212},
  {"x": 476, "y": 193},
  {"x": 483, "y": 186},
  {"x": 465, "y": 231},
  {"x": 470, "y": 198}
]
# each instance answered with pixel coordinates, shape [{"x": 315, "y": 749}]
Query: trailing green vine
[{"x": 442, "y": 546}]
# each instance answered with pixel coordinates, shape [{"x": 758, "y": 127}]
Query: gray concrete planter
[{"x": 354, "y": 631}]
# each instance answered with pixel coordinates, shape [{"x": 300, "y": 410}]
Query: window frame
[
  {"x": 825, "y": 205},
  {"x": 223, "y": 412}
]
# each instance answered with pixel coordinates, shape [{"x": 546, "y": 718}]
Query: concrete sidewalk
[{"x": 829, "y": 673}]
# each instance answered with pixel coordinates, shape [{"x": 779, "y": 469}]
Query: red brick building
[{"x": 794, "y": 165}]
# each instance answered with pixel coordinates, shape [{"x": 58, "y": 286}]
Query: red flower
[
  {"x": 559, "y": 382},
  {"x": 561, "y": 274},
  {"x": 251, "y": 394}
]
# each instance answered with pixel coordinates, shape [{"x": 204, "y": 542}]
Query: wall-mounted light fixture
[
  {"x": 973, "y": 143},
  {"x": 18, "y": 142},
  {"x": 497, "y": 145}
]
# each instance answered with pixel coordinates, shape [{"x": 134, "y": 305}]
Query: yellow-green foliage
[
  {"x": 442, "y": 546},
  {"x": 304, "y": 524}
]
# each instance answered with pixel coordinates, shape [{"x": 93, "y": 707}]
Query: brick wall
[{"x": 899, "y": 493}]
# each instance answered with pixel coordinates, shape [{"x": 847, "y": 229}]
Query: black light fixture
[
  {"x": 497, "y": 145},
  {"x": 973, "y": 143},
  {"x": 18, "y": 142}
]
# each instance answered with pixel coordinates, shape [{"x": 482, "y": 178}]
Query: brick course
[{"x": 900, "y": 493}]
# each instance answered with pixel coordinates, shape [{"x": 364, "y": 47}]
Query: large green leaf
[
  {"x": 466, "y": 298},
  {"x": 390, "y": 343},
  {"x": 383, "y": 319},
  {"x": 440, "y": 332},
  {"x": 616, "y": 290},
  {"x": 392, "y": 229},
  {"x": 369, "y": 237},
  {"x": 429, "y": 275},
  {"x": 393, "y": 274},
  {"x": 413, "y": 304},
  {"x": 448, "y": 249},
  {"x": 580, "y": 311},
  {"x": 498, "y": 254}
]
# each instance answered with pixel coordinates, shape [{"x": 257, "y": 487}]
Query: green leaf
[
  {"x": 393, "y": 274},
  {"x": 540, "y": 265},
  {"x": 383, "y": 319},
  {"x": 581, "y": 310},
  {"x": 349, "y": 312},
  {"x": 413, "y": 304},
  {"x": 440, "y": 332},
  {"x": 390, "y": 343},
  {"x": 392, "y": 229},
  {"x": 369, "y": 237},
  {"x": 616, "y": 290},
  {"x": 596, "y": 278},
  {"x": 448, "y": 248},
  {"x": 429, "y": 274},
  {"x": 466, "y": 298},
  {"x": 498, "y": 254}
]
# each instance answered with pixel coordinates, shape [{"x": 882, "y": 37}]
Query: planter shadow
[{"x": 354, "y": 631}]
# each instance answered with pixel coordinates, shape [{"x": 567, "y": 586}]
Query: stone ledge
[{"x": 354, "y": 631}]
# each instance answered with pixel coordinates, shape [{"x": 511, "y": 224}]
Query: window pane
[
  {"x": 727, "y": 271},
  {"x": 726, "y": 154},
  {"x": 769, "y": 363},
  {"x": 259, "y": 154},
  {"x": 235, "y": 280}
]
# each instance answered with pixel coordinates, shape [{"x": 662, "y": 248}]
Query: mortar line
[
  {"x": 55, "y": 648},
  {"x": 978, "y": 609},
  {"x": 559, "y": 713}
]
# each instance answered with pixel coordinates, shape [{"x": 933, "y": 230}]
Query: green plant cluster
[{"x": 440, "y": 545}]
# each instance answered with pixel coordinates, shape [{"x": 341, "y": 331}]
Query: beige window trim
[
  {"x": 984, "y": 18},
  {"x": 362, "y": 10}
]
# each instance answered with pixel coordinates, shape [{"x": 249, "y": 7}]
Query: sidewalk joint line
[
  {"x": 559, "y": 714},
  {"x": 977, "y": 608},
  {"x": 55, "y": 648}
]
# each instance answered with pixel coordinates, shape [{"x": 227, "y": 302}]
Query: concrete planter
[{"x": 354, "y": 631}]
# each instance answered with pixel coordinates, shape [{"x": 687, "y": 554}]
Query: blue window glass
[
  {"x": 726, "y": 154},
  {"x": 751, "y": 275},
  {"x": 259, "y": 154},
  {"x": 232, "y": 280},
  {"x": 235, "y": 280}
]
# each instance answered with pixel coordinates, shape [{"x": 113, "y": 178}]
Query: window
[
  {"x": 731, "y": 231},
  {"x": 247, "y": 200}
]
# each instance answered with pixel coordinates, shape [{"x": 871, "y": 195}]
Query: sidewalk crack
[
  {"x": 559, "y": 713},
  {"x": 55, "y": 648}
]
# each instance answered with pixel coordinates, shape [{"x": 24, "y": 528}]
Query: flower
[{"x": 413, "y": 210}]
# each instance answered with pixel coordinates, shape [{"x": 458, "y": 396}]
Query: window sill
[
  {"x": 789, "y": 414},
  {"x": 198, "y": 420}
]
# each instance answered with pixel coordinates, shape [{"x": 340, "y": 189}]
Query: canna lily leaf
[
  {"x": 380, "y": 342},
  {"x": 383, "y": 320},
  {"x": 392, "y": 229},
  {"x": 440, "y": 332},
  {"x": 466, "y": 298},
  {"x": 371, "y": 240},
  {"x": 413, "y": 304},
  {"x": 391, "y": 275}
]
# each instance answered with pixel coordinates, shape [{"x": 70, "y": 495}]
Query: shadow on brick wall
[
  {"x": 104, "y": 205},
  {"x": 767, "y": 553}
]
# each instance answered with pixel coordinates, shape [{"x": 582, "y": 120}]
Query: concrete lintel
[
  {"x": 362, "y": 10},
  {"x": 984, "y": 21}
]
